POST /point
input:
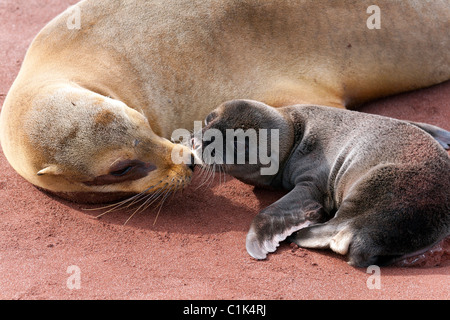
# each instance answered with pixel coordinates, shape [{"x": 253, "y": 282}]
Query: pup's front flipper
[
  {"x": 440, "y": 135},
  {"x": 294, "y": 211}
]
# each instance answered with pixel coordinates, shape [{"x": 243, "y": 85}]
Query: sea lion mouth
[{"x": 127, "y": 170}]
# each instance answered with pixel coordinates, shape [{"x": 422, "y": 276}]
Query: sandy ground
[{"x": 196, "y": 248}]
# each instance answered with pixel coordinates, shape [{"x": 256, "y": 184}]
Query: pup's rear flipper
[
  {"x": 343, "y": 239},
  {"x": 437, "y": 255},
  {"x": 442, "y": 136}
]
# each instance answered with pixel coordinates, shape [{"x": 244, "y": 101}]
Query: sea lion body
[
  {"x": 150, "y": 67},
  {"x": 375, "y": 188}
]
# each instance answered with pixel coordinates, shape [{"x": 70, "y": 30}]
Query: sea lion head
[
  {"x": 250, "y": 140},
  {"x": 91, "y": 148}
]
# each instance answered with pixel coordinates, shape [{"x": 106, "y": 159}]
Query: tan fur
[{"x": 158, "y": 66}]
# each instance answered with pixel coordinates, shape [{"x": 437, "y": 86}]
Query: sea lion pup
[
  {"x": 372, "y": 187},
  {"x": 104, "y": 85}
]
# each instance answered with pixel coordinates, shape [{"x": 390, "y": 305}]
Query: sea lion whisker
[
  {"x": 223, "y": 173},
  {"x": 135, "y": 211},
  {"x": 171, "y": 189},
  {"x": 148, "y": 199},
  {"x": 157, "y": 215},
  {"x": 207, "y": 169},
  {"x": 161, "y": 205},
  {"x": 157, "y": 193},
  {"x": 201, "y": 175},
  {"x": 110, "y": 205},
  {"x": 162, "y": 198},
  {"x": 152, "y": 197},
  {"x": 116, "y": 206},
  {"x": 178, "y": 188},
  {"x": 137, "y": 200},
  {"x": 212, "y": 169},
  {"x": 143, "y": 194},
  {"x": 212, "y": 176},
  {"x": 121, "y": 205},
  {"x": 207, "y": 176},
  {"x": 164, "y": 192},
  {"x": 203, "y": 168}
]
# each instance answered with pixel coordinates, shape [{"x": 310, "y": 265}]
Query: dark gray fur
[{"x": 372, "y": 187}]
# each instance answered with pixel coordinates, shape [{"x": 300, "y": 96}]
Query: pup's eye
[
  {"x": 210, "y": 117},
  {"x": 122, "y": 171}
]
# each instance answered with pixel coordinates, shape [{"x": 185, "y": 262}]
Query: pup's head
[{"x": 243, "y": 137}]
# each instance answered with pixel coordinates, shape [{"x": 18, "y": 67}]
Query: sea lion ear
[{"x": 50, "y": 170}]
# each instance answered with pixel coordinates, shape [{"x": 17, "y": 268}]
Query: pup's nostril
[{"x": 194, "y": 146}]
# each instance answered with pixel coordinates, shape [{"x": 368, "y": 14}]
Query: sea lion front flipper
[
  {"x": 440, "y": 135},
  {"x": 296, "y": 210}
]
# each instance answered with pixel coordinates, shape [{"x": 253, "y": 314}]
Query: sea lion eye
[
  {"x": 210, "y": 117},
  {"x": 122, "y": 171},
  {"x": 126, "y": 170}
]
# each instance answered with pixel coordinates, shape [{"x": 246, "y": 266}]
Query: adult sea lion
[{"x": 105, "y": 83}]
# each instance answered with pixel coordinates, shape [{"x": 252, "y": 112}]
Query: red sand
[{"x": 196, "y": 248}]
